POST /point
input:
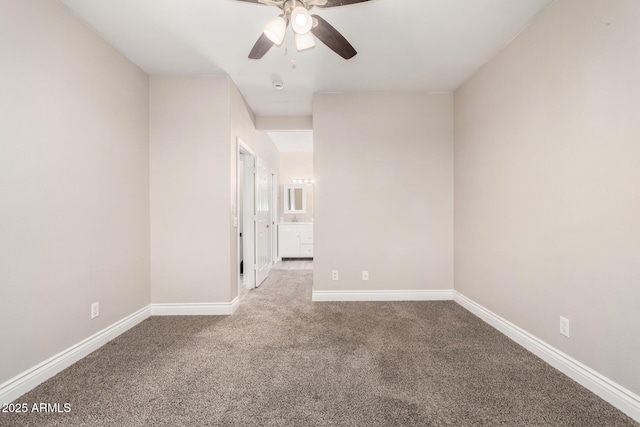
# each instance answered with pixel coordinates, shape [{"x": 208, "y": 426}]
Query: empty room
[{"x": 320, "y": 212}]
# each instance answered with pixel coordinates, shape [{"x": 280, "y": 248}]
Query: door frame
[{"x": 248, "y": 239}]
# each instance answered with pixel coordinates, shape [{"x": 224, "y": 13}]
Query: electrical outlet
[
  {"x": 564, "y": 326},
  {"x": 95, "y": 310},
  {"x": 365, "y": 275},
  {"x": 334, "y": 275}
]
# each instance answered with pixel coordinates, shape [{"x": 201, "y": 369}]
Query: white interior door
[{"x": 262, "y": 221}]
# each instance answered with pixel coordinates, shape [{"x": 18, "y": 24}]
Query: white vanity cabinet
[{"x": 295, "y": 240}]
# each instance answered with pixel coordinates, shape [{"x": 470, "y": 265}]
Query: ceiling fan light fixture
[
  {"x": 301, "y": 20},
  {"x": 276, "y": 29},
  {"x": 305, "y": 41}
]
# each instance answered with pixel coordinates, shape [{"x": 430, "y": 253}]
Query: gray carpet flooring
[{"x": 282, "y": 360}]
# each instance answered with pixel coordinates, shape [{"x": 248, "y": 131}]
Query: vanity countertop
[{"x": 295, "y": 223}]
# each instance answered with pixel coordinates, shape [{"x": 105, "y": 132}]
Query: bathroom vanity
[{"x": 295, "y": 240}]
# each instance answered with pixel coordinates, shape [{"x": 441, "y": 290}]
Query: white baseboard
[
  {"x": 196, "y": 309},
  {"x": 623, "y": 399},
  {"x": 417, "y": 295},
  {"x": 28, "y": 380}
]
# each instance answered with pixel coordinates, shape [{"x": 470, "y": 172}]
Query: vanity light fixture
[{"x": 302, "y": 181}]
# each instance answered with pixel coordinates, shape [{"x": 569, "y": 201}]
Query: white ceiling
[
  {"x": 428, "y": 45},
  {"x": 292, "y": 141}
]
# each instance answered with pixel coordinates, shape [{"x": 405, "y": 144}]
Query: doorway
[
  {"x": 253, "y": 218},
  {"x": 274, "y": 217},
  {"x": 243, "y": 214},
  {"x": 294, "y": 199}
]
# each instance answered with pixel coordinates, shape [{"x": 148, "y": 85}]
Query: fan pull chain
[{"x": 294, "y": 61}]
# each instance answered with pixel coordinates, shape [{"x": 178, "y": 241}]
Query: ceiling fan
[{"x": 305, "y": 27}]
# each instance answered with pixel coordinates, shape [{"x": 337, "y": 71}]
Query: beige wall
[
  {"x": 74, "y": 206},
  {"x": 546, "y": 183},
  {"x": 195, "y": 123},
  {"x": 295, "y": 166},
  {"x": 383, "y": 166},
  {"x": 189, "y": 161}
]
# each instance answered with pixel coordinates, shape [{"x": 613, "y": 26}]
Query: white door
[{"x": 263, "y": 222}]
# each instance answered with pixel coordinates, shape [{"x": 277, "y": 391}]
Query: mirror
[{"x": 295, "y": 199}]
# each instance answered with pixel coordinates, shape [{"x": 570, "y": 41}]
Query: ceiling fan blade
[
  {"x": 332, "y": 38},
  {"x": 336, "y": 3},
  {"x": 261, "y": 47}
]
